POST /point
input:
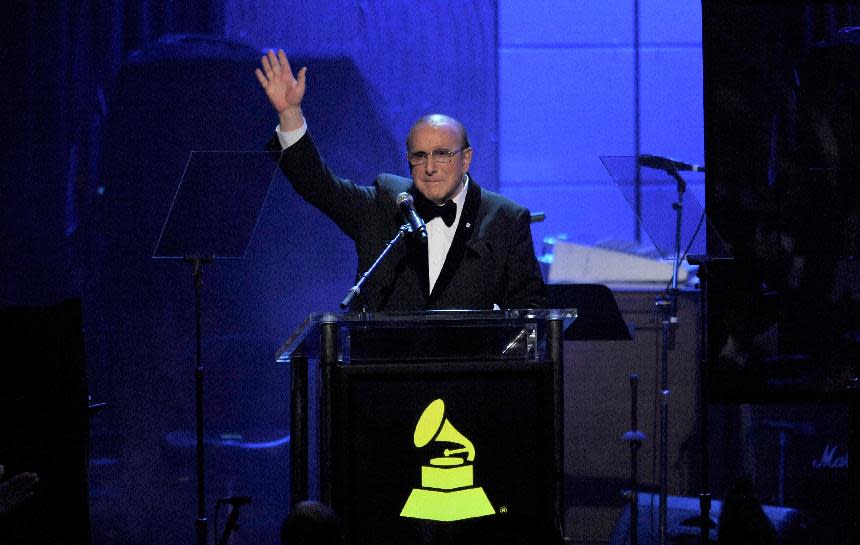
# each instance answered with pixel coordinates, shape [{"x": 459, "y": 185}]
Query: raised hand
[{"x": 285, "y": 92}]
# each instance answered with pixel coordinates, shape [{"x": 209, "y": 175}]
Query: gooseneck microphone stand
[
  {"x": 668, "y": 306},
  {"x": 356, "y": 289}
]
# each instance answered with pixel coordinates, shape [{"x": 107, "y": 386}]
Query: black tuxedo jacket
[{"x": 491, "y": 260}]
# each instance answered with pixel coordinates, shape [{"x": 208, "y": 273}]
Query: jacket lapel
[{"x": 408, "y": 262}]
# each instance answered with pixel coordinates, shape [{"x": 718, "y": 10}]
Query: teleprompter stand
[
  {"x": 213, "y": 216},
  {"x": 677, "y": 227}
]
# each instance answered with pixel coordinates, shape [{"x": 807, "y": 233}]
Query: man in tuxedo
[{"x": 479, "y": 252}]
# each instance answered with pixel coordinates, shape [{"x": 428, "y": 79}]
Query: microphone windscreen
[{"x": 404, "y": 198}]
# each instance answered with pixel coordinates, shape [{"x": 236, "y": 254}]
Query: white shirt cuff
[{"x": 288, "y": 138}]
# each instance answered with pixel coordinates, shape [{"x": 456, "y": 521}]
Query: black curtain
[
  {"x": 60, "y": 63},
  {"x": 60, "y": 60},
  {"x": 782, "y": 129},
  {"x": 782, "y": 116}
]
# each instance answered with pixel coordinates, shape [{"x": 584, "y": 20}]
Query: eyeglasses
[{"x": 439, "y": 155}]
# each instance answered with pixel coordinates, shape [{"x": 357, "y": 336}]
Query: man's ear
[{"x": 467, "y": 159}]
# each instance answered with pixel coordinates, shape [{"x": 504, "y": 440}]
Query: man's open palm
[{"x": 276, "y": 77}]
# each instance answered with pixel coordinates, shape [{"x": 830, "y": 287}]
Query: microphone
[
  {"x": 235, "y": 501},
  {"x": 416, "y": 224},
  {"x": 664, "y": 163}
]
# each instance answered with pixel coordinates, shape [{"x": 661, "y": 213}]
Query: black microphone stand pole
[
  {"x": 356, "y": 289},
  {"x": 231, "y": 525},
  {"x": 634, "y": 438},
  {"x": 201, "y": 523},
  {"x": 703, "y": 521},
  {"x": 669, "y": 307}
]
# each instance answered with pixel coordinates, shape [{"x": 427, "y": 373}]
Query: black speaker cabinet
[{"x": 45, "y": 423}]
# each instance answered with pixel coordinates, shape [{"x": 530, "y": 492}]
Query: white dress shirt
[{"x": 440, "y": 237}]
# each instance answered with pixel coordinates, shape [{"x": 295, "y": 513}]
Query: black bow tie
[{"x": 429, "y": 210}]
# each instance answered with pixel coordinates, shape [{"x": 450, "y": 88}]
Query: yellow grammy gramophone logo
[{"x": 447, "y": 490}]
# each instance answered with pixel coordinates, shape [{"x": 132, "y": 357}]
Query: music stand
[
  {"x": 213, "y": 215},
  {"x": 657, "y": 193},
  {"x": 598, "y": 315}
]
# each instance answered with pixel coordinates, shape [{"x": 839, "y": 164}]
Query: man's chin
[{"x": 436, "y": 196}]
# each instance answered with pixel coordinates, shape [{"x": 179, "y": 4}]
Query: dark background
[
  {"x": 782, "y": 109},
  {"x": 782, "y": 112}
]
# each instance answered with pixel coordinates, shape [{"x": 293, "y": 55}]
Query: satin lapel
[
  {"x": 458, "y": 246},
  {"x": 417, "y": 259},
  {"x": 418, "y": 262}
]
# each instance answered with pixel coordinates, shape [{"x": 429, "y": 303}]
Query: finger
[
  {"x": 267, "y": 68},
  {"x": 273, "y": 61},
  {"x": 301, "y": 78},
  {"x": 282, "y": 58},
  {"x": 261, "y": 78}
]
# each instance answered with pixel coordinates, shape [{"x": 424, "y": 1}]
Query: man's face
[{"x": 437, "y": 181}]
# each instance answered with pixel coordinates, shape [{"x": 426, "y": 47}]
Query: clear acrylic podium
[{"x": 437, "y": 426}]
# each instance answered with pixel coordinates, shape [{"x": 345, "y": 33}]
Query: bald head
[{"x": 438, "y": 121}]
